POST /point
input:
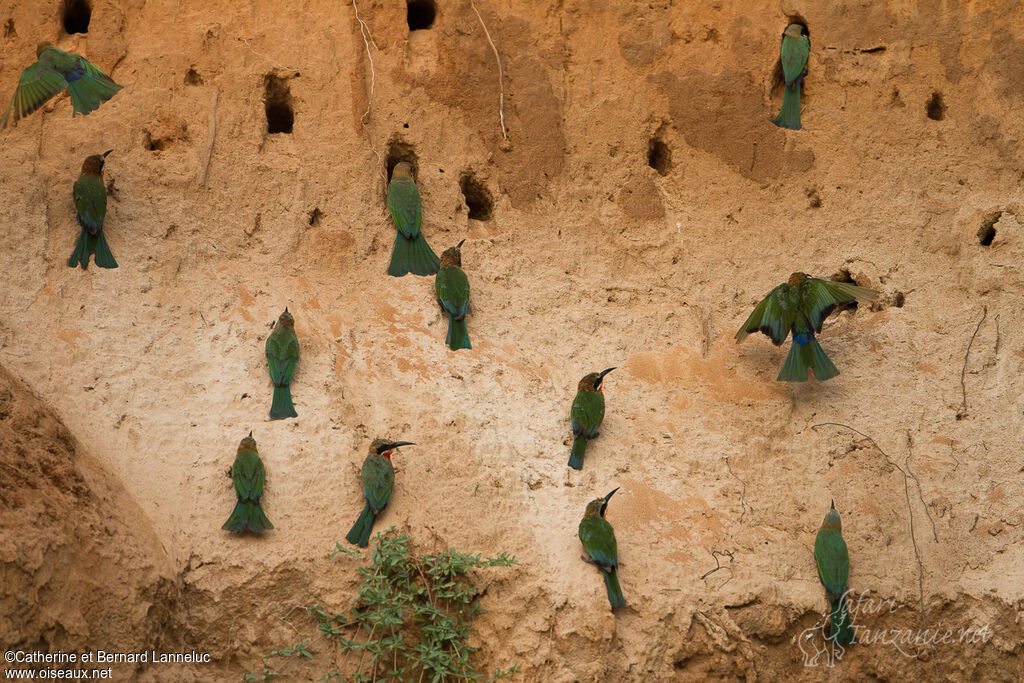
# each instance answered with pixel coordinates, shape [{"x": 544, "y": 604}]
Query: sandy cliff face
[
  {"x": 79, "y": 562},
  {"x": 642, "y": 204}
]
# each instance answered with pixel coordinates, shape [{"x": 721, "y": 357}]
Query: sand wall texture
[{"x": 641, "y": 205}]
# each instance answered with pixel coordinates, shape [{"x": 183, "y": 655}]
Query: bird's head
[
  {"x": 797, "y": 279},
  {"x": 403, "y": 169},
  {"x": 41, "y": 47},
  {"x": 286, "y": 319},
  {"x": 793, "y": 31},
  {"x": 383, "y": 447},
  {"x": 832, "y": 521},
  {"x": 592, "y": 382},
  {"x": 248, "y": 443},
  {"x": 452, "y": 256},
  {"x": 598, "y": 506},
  {"x": 94, "y": 163}
]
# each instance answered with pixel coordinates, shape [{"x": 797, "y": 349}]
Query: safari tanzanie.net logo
[{"x": 819, "y": 648}]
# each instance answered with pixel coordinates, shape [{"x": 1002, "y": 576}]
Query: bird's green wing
[
  {"x": 587, "y": 413},
  {"x": 36, "y": 86},
  {"x": 378, "y": 481},
  {"x": 248, "y": 475},
  {"x": 795, "y": 52},
  {"x": 833, "y": 560},
  {"x": 94, "y": 70},
  {"x": 405, "y": 207},
  {"x": 820, "y": 297},
  {"x": 90, "y": 201},
  {"x": 598, "y": 540},
  {"x": 282, "y": 355},
  {"x": 452, "y": 287},
  {"x": 772, "y": 316}
]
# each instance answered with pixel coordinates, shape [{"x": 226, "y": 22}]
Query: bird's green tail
[
  {"x": 99, "y": 247},
  {"x": 80, "y": 256},
  {"x": 282, "y": 406},
  {"x": 360, "y": 532},
  {"x": 803, "y": 356},
  {"x": 611, "y": 582},
  {"x": 89, "y": 245},
  {"x": 458, "y": 334},
  {"x": 579, "y": 447},
  {"x": 247, "y": 515},
  {"x": 412, "y": 256},
  {"x": 88, "y": 92},
  {"x": 789, "y": 116},
  {"x": 841, "y": 626}
]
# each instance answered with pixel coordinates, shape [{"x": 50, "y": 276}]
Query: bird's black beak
[
  {"x": 600, "y": 377},
  {"x": 606, "y": 499},
  {"x": 459, "y": 245},
  {"x": 250, "y": 433},
  {"x": 833, "y": 505},
  {"x": 393, "y": 445},
  {"x": 285, "y": 309},
  {"x": 106, "y": 153}
]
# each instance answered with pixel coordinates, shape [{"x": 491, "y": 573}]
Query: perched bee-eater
[
  {"x": 796, "y": 48},
  {"x": 586, "y": 415},
  {"x": 248, "y": 475},
  {"x": 53, "y": 71},
  {"x": 282, "y": 357},
  {"x": 801, "y": 305},
  {"x": 833, "y": 560},
  {"x": 90, "y": 195},
  {"x": 411, "y": 254},
  {"x": 378, "y": 484},
  {"x": 452, "y": 287},
  {"x": 598, "y": 538}
]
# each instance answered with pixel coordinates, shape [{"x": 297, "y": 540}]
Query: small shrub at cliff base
[{"x": 411, "y": 617}]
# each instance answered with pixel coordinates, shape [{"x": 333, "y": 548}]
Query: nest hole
[
  {"x": 798, "y": 19},
  {"x": 478, "y": 197},
  {"x": 315, "y": 216},
  {"x": 9, "y": 31},
  {"x": 192, "y": 77},
  {"x": 77, "y": 14},
  {"x": 278, "y": 105},
  {"x": 987, "y": 231},
  {"x": 659, "y": 156},
  {"x": 935, "y": 108},
  {"x": 421, "y": 14},
  {"x": 813, "y": 198},
  {"x": 398, "y": 151},
  {"x": 157, "y": 144}
]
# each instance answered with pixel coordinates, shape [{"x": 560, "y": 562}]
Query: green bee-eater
[
  {"x": 282, "y": 356},
  {"x": 801, "y": 305},
  {"x": 411, "y": 254},
  {"x": 833, "y": 562},
  {"x": 248, "y": 475},
  {"x": 586, "y": 415},
  {"x": 90, "y": 195},
  {"x": 452, "y": 287},
  {"x": 598, "y": 538},
  {"x": 796, "y": 48},
  {"x": 53, "y": 71},
  {"x": 378, "y": 484}
]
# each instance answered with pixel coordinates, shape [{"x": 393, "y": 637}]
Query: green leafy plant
[{"x": 411, "y": 617}]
